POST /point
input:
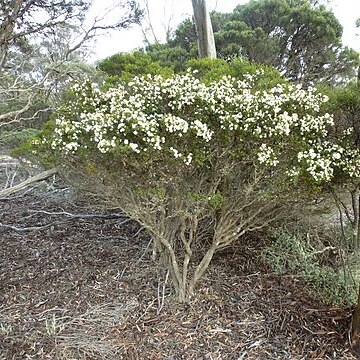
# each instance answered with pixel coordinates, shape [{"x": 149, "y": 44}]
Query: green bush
[
  {"x": 168, "y": 56},
  {"x": 125, "y": 66},
  {"x": 12, "y": 139},
  {"x": 294, "y": 254},
  {"x": 270, "y": 77},
  {"x": 209, "y": 70}
]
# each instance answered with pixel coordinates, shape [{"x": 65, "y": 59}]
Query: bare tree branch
[{"x": 42, "y": 74}]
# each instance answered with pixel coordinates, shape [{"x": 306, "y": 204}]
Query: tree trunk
[
  {"x": 7, "y": 26},
  {"x": 356, "y": 217},
  {"x": 204, "y": 30}
]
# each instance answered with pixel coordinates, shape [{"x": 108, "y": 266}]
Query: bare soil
[{"x": 78, "y": 283}]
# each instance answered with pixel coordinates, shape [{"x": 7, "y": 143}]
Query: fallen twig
[
  {"x": 46, "y": 226},
  {"x": 32, "y": 228},
  {"x": 42, "y": 176},
  {"x": 82, "y": 216}
]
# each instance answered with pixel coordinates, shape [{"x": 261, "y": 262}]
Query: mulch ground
[{"x": 84, "y": 287}]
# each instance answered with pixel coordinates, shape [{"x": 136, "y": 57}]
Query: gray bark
[{"x": 204, "y": 30}]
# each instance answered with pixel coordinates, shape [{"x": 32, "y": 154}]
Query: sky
[{"x": 169, "y": 13}]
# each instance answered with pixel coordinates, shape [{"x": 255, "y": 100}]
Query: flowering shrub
[
  {"x": 182, "y": 118},
  {"x": 198, "y": 165}
]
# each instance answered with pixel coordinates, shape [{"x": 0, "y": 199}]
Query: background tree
[
  {"x": 183, "y": 44},
  {"x": 169, "y": 56},
  {"x": 38, "y": 43},
  {"x": 301, "y": 40}
]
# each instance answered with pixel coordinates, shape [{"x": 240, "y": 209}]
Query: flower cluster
[
  {"x": 319, "y": 159},
  {"x": 182, "y": 118}
]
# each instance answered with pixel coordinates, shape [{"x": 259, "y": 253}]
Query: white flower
[
  {"x": 180, "y": 116},
  {"x": 188, "y": 159},
  {"x": 133, "y": 146}
]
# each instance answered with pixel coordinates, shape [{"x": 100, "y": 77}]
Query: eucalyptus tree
[{"x": 300, "y": 39}]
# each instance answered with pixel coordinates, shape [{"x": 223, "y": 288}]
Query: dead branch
[
  {"x": 33, "y": 228},
  {"x": 49, "y": 225},
  {"x": 39, "y": 177},
  {"x": 81, "y": 216}
]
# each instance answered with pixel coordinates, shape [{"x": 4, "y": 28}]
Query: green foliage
[
  {"x": 288, "y": 253},
  {"x": 12, "y": 139},
  {"x": 164, "y": 60},
  {"x": 30, "y": 144},
  {"x": 301, "y": 40},
  {"x": 171, "y": 56},
  {"x": 184, "y": 36},
  {"x": 238, "y": 39},
  {"x": 345, "y": 99},
  {"x": 124, "y": 66},
  {"x": 294, "y": 254},
  {"x": 209, "y": 70},
  {"x": 269, "y": 76},
  {"x": 216, "y": 201},
  {"x": 7, "y": 106}
]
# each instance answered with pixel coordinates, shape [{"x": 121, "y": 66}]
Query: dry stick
[
  {"x": 42, "y": 176},
  {"x": 32, "y": 228},
  {"x": 146, "y": 310},
  {"x": 44, "y": 227},
  {"x": 82, "y": 216},
  {"x": 145, "y": 251},
  {"x": 161, "y": 298},
  {"x": 30, "y": 189}
]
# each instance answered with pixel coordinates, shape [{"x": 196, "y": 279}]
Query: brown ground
[{"x": 85, "y": 288}]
